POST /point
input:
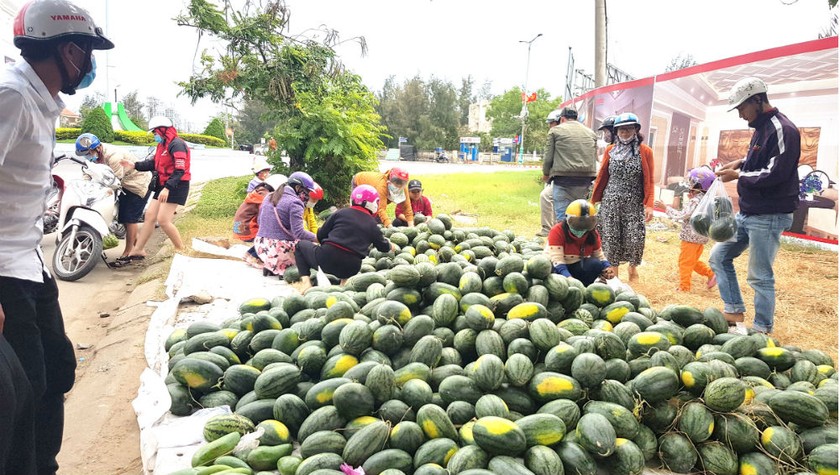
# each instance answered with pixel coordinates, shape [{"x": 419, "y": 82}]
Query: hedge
[{"x": 138, "y": 137}]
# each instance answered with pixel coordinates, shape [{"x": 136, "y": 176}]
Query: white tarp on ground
[{"x": 168, "y": 442}]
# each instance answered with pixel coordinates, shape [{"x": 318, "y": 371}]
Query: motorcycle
[
  {"x": 442, "y": 158},
  {"x": 87, "y": 212}
]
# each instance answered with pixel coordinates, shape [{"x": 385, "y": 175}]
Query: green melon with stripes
[{"x": 499, "y": 436}]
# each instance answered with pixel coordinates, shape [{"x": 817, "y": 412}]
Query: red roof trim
[
  {"x": 797, "y": 48},
  {"x": 789, "y": 50},
  {"x": 612, "y": 87}
]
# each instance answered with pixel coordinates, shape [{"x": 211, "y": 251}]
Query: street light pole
[{"x": 524, "y": 113}]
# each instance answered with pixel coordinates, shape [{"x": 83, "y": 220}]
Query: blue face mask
[
  {"x": 576, "y": 232},
  {"x": 88, "y": 78},
  {"x": 158, "y": 138}
]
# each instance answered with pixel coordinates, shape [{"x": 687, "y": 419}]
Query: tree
[
  {"x": 134, "y": 109},
  {"x": 465, "y": 98},
  {"x": 253, "y": 121},
  {"x": 154, "y": 106},
  {"x": 89, "y": 103},
  {"x": 325, "y": 115},
  {"x": 98, "y": 123},
  {"x": 681, "y": 61},
  {"x": 505, "y": 111},
  {"x": 216, "y": 129}
]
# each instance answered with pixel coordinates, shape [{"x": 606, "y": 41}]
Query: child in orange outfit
[
  {"x": 691, "y": 243},
  {"x": 246, "y": 220}
]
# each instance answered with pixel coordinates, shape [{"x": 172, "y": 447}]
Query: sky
[{"x": 453, "y": 39}]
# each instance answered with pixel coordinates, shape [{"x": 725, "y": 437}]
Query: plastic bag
[{"x": 714, "y": 216}]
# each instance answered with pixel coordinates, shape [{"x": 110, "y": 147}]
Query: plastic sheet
[{"x": 167, "y": 442}]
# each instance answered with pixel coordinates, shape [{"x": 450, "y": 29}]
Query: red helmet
[
  {"x": 317, "y": 193},
  {"x": 398, "y": 174}
]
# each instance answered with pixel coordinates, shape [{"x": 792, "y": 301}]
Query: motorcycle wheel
[
  {"x": 119, "y": 230},
  {"x": 86, "y": 250}
]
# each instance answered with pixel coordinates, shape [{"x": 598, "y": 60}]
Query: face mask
[
  {"x": 627, "y": 140},
  {"x": 158, "y": 138},
  {"x": 89, "y": 76},
  {"x": 577, "y": 233},
  {"x": 395, "y": 193}
]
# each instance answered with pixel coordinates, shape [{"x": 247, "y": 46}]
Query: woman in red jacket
[
  {"x": 172, "y": 164},
  {"x": 624, "y": 187}
]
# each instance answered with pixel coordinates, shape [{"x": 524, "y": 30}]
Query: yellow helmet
[{"x": 581, "y": 215}]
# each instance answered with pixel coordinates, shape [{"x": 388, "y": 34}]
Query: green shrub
[
  {"x": 216, "y": 129},
  {"x": 138, "y": 137},
  {"x": 97, "y": 123},
  {"x": 203, "y": 139},
  {"x": 67, "y": 133}
]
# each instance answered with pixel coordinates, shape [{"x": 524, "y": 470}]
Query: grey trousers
[{"x": 547, "y": 208}]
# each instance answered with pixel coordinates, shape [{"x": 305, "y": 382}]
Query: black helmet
[{"x": 607, "y": 123}]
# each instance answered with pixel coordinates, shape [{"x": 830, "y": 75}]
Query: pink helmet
[
  {"x": 701, "y": 176},
  {"x": 365, "y": 196}
]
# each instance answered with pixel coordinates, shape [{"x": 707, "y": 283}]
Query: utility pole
[
  {"x": 524, "y": 114},
  {"x": 600, "y": 43}
]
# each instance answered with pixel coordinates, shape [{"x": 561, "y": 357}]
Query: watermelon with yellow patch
[
  {"x": 435, "y": 422},
  {"x": 254, "y": 305},
  {"x": 499, "y": 436},
  {"x": 615, "y": 311},
  {"x": 548, "y": 386},
  {"x": 542, "y": 429},
  {"x": 599, "y": 294}
]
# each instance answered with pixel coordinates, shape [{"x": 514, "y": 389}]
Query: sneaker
[
  {"x": 739, "y": 329},
  {"x": 711, "y": 282},
  {"x": 541, "y": 233},
  {"x": 763, "y": 331}
]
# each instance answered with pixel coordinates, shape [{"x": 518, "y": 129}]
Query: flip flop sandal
[
  {"x": 123, "y": 259},
  {"x": 136, "y": 258}
]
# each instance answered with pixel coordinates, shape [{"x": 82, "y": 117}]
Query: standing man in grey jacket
[{"x": 570, "y": 157}]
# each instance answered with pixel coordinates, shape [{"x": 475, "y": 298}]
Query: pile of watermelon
[{"x": 462, "y": 353}]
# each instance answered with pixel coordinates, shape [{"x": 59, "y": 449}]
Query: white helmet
[
  {"x": 44, "y": 20},
  {"x": 275, "y": 181},
  {"x": 260, "y": 165},
  {"x": 553, "y": 116},
  {"x": 744, "y": 89},
  {"x": 159, "y": 121}
]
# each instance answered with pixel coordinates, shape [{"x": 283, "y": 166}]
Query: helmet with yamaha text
[
  {"x": 367, "y": 197},
  {"x": 42, "y": 21}
]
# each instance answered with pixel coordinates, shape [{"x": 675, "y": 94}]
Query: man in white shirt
[{"x": 56, "y": 40}]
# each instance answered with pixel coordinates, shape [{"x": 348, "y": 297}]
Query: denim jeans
[
  {"x": 563, "y": 197},
  {"x": 759, "y": 233}
]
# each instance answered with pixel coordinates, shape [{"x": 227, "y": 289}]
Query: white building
[
  {"x": 8, "y": 10},
  {"x": 477, "y": 120}
]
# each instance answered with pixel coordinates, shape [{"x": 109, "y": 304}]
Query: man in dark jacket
[
  {"x": 569, "y": 162},
  {"x": 768, "y": 194}
]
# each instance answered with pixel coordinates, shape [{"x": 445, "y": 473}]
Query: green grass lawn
[{"x": 501, "y": 200}]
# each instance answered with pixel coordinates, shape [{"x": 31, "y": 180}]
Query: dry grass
[{"x": 806, "y": 289}]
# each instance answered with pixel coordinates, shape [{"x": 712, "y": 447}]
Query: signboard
[
  {"x": 393, "y": 154},
  {"x": 470, "y": 139},
  {"x": 403, "y": 139}
]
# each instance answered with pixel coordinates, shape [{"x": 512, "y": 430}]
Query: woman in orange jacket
[
  {"x": 624, "y": 187},
  {"x": 391, "y": 187}
]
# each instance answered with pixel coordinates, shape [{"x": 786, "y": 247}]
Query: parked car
[{"x": 246, "y": 147}]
